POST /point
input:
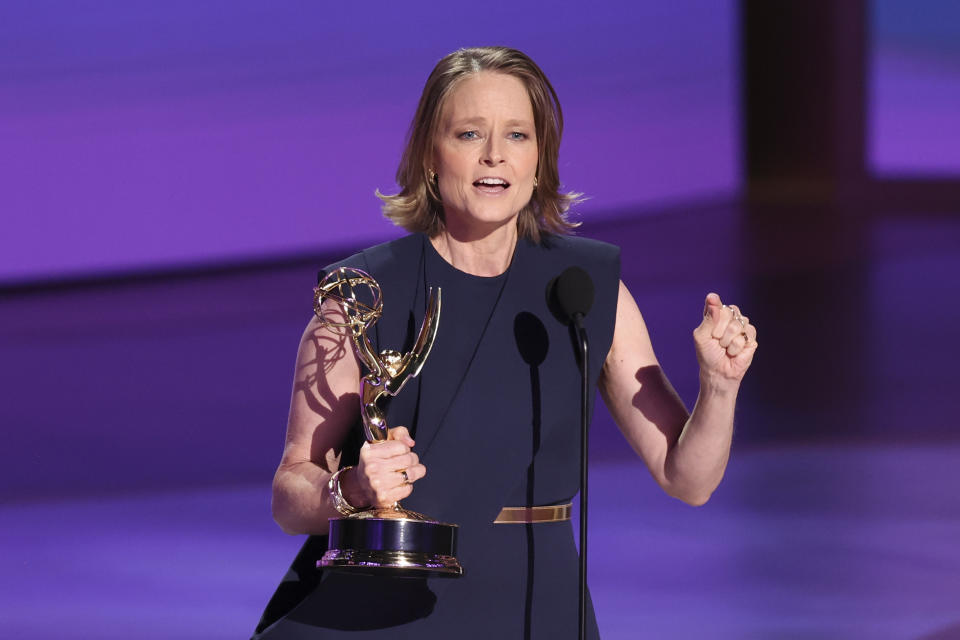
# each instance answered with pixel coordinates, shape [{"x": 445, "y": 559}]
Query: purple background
[
  {"x": 141, "y": 135},
  {"x": 171, "y": 175},
  {"x": 915, "y": 87}
]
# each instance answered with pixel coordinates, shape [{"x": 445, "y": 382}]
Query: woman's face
[{"x": 485, "y": 153}]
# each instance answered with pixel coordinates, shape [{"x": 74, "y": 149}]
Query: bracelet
[{"x": 340, "y": 503}]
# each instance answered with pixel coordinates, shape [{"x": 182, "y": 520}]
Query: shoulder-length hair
[{"x": 417, "y": 207}]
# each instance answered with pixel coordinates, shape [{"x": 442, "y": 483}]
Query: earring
[
  {"x": 536, "y": 182},
  {"x": 431, "y": 175}
]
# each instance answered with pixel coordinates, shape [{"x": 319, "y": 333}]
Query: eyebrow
[{"x": 513, "y": 122}]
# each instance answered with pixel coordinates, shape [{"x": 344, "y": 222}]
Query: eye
[
  {"x": 469, "y": 135},
  {"x": 518, "y": 135}
]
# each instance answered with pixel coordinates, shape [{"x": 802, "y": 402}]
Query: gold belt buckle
[{"x": 533, "y": 515}]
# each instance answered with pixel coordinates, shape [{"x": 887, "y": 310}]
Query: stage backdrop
[
  {"x": 139, "y": 134},
  {"x": 915, "y": 88}
]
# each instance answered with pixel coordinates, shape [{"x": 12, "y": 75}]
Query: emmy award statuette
[{"x": 386, "y": 540}]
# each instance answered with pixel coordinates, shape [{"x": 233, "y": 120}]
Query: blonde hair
[{"x": 417, "y": 207}]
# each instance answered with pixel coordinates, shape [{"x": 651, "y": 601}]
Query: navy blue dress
[{"x": 495, "y": 415}]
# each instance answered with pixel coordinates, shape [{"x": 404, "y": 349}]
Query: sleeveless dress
[{"x": 495, "y": 415}]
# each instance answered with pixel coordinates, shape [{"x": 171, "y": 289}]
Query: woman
[{"x": 495, "y": 411}]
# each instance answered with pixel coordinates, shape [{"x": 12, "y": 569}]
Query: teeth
[{"x": 492, "y": 181}]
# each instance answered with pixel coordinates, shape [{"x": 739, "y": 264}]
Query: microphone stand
[
  {"x": 569, "y": 297},
  {"x": 581, "y": 335}
]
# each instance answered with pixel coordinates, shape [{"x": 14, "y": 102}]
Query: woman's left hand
[{"x": 725, "y": 341}]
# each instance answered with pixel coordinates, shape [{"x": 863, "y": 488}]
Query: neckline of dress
[{"x": 432, "y": 250}]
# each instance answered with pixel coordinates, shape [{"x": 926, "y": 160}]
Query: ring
[
  {"x": 739, "y": 318},
  {"x": 746, "y": 338},
  {"x": 406, "y": 478}
]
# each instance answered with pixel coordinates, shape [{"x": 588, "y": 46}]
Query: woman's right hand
[{"x": 385, "y": 473}]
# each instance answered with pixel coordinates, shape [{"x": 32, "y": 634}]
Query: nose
[{"x": 492, "y": 152}]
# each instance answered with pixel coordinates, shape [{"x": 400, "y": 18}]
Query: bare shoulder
[
  {"x": 630, "y": 356},
  {"x": 631, "y": 346}
]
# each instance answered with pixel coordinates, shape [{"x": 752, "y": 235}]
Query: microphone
[{"x": 570, "y": 297}]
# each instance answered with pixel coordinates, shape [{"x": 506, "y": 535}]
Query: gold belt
[{"x": 531, "y": 515}]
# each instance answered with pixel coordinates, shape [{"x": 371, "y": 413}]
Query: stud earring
[{"x": 536, "y": 182}]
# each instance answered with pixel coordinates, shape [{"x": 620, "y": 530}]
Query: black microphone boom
[{"x": 570, "y": 296}]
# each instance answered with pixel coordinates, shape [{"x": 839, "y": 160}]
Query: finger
[
  {"x": 401, "y": 434},
  {"x": 712, "y": 300},
  {"x": 378, "y": 469},
  {"x": 383, "y": 449},
  {"x": 721, "y": 320},
  {"x": 373, "y": 453},
  {"x": 747, "y": 329},
  {"x": 408, "y": 475},
  {"x": 734, "y": 329},
  {"x": 405, "y": 461},
  {"x": 711, "y": 308},
  {"x": 414, "y": 473},
  {"x": 749, "y": 337},
  {"x": 382, "y": 474},
  {"x": 738, "y": 344},
  {"x": 393, "y": 490}
]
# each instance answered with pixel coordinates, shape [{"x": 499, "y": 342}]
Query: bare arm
[
  {"x": 686, "y": 453},
  {"x": 324, "y": 406}
]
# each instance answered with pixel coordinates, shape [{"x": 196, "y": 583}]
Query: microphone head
[{"x": 570, "y": 294}]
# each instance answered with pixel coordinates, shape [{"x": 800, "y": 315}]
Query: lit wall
[
  {"x": 915, "y": 88},
  {"x": 142, "y": 134}
]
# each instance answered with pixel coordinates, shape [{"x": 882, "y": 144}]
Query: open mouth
[{"x": 492, "y": 185}]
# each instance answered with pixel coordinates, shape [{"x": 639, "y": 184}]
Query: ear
[{"x": 429, "y": 166}]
